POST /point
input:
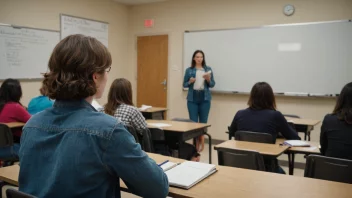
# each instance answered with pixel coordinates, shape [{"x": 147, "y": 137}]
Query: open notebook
[
  {"x": 296, "y": 143},
  {"x": 187, "y": 174}
]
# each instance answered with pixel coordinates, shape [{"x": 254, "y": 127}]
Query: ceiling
[{"x": 138, "y": 2}]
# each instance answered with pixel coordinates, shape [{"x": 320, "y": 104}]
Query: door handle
[{"x": 164, "y": 82}]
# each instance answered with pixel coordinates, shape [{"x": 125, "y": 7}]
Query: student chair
[
  {"x": 159, "y": 141},
  {"x": 241, "y": 159},
  {"x": 328, "y": 168},
  {"x": 254, "y": 137},
  {"x": 133, "y": 132},
  {"x": 12, "y": 193},
  {"x": 6, "y": 140}
]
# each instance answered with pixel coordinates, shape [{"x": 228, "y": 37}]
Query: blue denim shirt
[
  {"x": 71, "y": 150},
  {"x": 191, "y": 72}
]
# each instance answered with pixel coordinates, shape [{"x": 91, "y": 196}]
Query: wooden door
[{"x": 152, "y": 70}]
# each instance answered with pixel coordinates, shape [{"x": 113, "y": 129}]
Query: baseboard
[{"x": 299, "y": 165}]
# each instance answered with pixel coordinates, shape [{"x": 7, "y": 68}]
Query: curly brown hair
[{"x": 71, "y": 67}]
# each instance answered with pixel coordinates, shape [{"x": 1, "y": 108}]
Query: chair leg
[{"x": 210, "y": 146}]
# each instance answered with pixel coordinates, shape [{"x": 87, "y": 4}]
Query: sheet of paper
[
  {"x": 159, "y": 125},
  {"x": 144, "y": 107}
]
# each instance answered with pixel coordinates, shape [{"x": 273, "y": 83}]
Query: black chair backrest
[
  {"x": 133, "y": 132},
  {"x": 291, "y": 116},
  {"x": 145, "y": 139},
  {"x": 254, "y": 137},
  {"x": 6, "y": 137},
  {"x": 328, "y": 168},
  {"x": 182, "y": 120},
  {"x": 241, "y": 159},
  {"x": 157, "y": 134},
  {"x": 12, "y": 193}
]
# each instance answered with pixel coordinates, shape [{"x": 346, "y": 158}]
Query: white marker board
[
  {"x": 25, "y": 52},
  {"x": 76, "y": 25}
]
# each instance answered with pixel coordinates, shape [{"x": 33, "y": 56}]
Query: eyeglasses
[{"x": 108, "y": 69}]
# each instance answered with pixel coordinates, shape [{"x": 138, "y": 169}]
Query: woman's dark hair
[
  {"x": 194, "y": 55},
  {"x": 120, "y": 93},
  {"x": 10, "y": 91},
  {"x": 262, "y": 97},
  {"x": 71, "y": 67},
  {"x": 343, "y": 108}
]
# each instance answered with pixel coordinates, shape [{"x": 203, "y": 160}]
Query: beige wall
[
  {"x": 45, "y": 14},
  {"x": 176, "y": 16}
]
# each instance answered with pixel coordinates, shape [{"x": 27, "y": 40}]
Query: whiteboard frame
[
  {"x": 61, "y": 15},
  {"x": 259, "y": 27},
  {"x": 20, "y": 27}
]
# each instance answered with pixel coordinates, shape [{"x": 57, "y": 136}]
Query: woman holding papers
[
  {"x": 198, "y": 79},
  {"x": 336, "y": 131}
]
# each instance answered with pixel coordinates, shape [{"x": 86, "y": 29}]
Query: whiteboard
[
  {"x": 76, "y": 25},
  {"x": 25, "y": 52},
  {"x": 310, "y": 58}
]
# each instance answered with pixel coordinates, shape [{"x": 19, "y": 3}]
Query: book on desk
[{"x": 187, "y": 174}]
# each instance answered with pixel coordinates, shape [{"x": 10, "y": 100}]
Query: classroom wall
[
  {"x": 176, "y": 16},
  {"x": 45, "y": 14}
]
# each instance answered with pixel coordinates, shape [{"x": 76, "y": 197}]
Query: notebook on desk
[
  {"x": 296, "y": 143},
  {"x": 187, "y": 174}
]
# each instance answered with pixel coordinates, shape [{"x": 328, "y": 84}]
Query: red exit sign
[{"x": 148, "y": 23}]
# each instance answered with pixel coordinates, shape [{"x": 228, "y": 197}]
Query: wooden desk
[
  {"x": 155, "y": 113},
  {"x": 236, "y": 182},
  {"x": 303, "y": 125},
  {"x": 12, "y": 125},
  {"x": 179, "y": 132},
  {"x": 272, "y": 150},
  {"x": 313, "y": 149}
]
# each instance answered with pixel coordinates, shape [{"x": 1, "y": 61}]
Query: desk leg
[
  {"x": 291, "y": 163},
  {"x": 210, "y": 146}
]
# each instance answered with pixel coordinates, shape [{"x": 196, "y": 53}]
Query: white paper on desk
[
  {"x": 159, "y": 125},
  {"x": 144, "y": 107}
]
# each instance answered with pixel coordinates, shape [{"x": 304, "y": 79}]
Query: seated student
[
  {"x": 336, "y": 130},
  {"x": 262, "y": 117},
  {"x": 120, "y": 104},
  {"x": 39, "y": 103},
  {"x": 11, "y": 110},
  {"x": 71, "y": 150}
]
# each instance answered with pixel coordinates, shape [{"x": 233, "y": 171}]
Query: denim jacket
[
  {"x": 191, "y": 72},
  {"x": 71, "y": 150}
]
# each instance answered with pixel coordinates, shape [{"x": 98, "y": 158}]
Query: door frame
[{"x": 168, "y": 64}]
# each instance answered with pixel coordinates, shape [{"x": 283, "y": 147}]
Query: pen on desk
[{"x": 163, "y": 163}]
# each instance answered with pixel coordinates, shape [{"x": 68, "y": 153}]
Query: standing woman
[{"x": 198, "y": 79}]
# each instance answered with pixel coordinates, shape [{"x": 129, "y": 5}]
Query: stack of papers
[
  {"x": 296, "y": 143},
  {"x": 144, "y": 107},
  {"x": 188, "y": 174},
  {"x": 159, "y": 125}
]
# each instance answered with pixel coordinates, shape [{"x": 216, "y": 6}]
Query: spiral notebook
[{"x": 188, "y": 174}]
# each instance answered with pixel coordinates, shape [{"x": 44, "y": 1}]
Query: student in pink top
[{"x": 11, "y": 110}]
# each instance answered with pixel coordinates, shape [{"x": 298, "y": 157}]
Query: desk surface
[
  {"x": 264, "y": 149},
  {"x": 178, "y": 126},
  {"x": 14, "y": 124},
  {"x": 313, "y": 149},
  {"x": 308, "y": 122},
  {"x": 236, "y": 182},
  {"x": 154, "y": 110}
]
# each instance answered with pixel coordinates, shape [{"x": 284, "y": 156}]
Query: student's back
[
  {"x": 336, "y": 138},
  {"x": 71, "y": 150},
  {"x": 64, "y": 155},
  {"x": 263, "y": 121},
  {"x": 39, "y": 104},
  {"x": 336, "y": 130}
]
